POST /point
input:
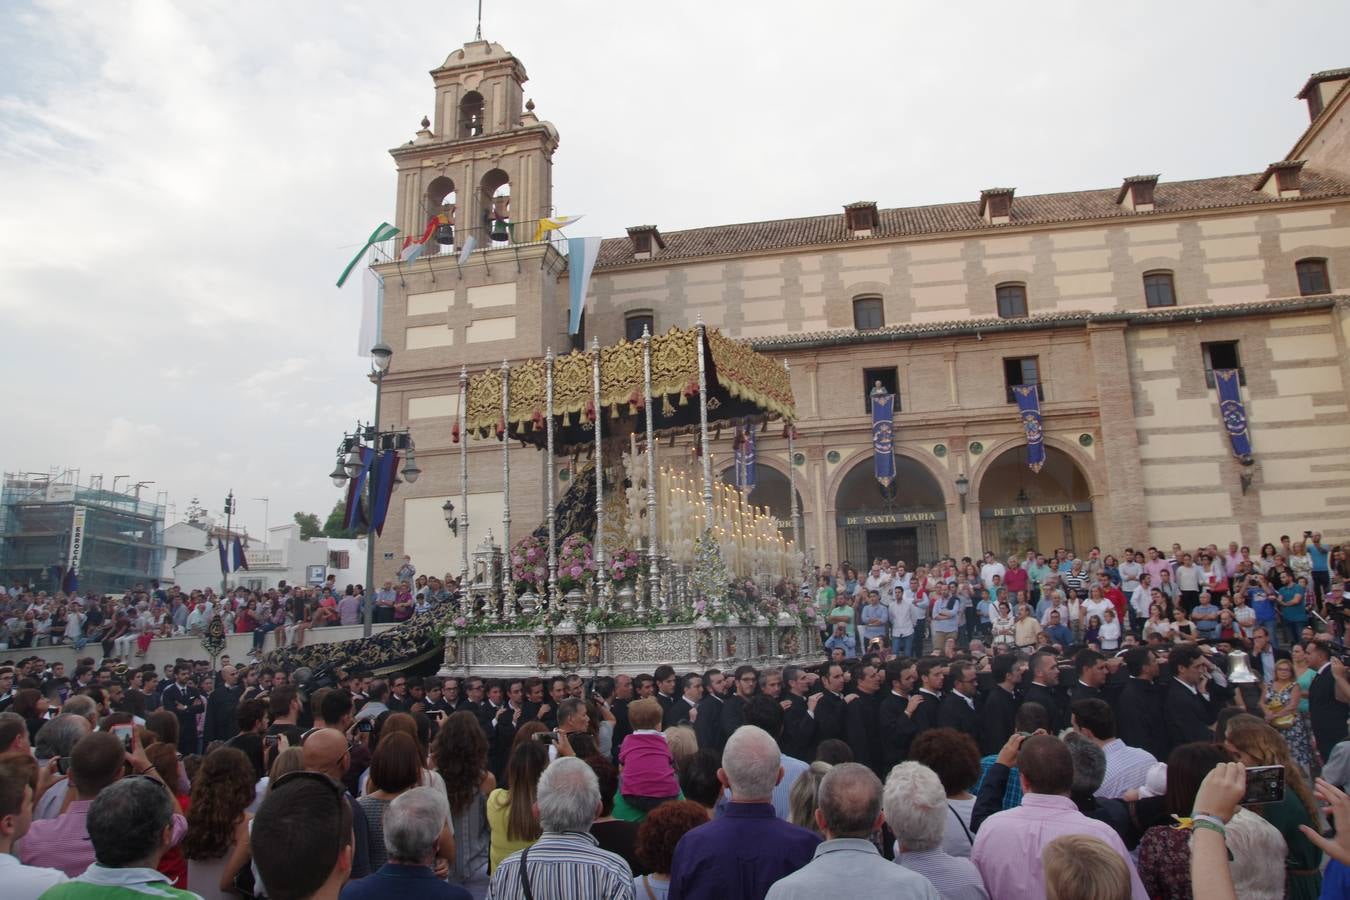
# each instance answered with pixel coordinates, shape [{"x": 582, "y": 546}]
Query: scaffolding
[{"x": 123, "y": 536}]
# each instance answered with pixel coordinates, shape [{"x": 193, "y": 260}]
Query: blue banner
[
  {"x": 382, "y": 489},
  {"x": 1234, "y": 414},
  {"x": 1029, "y": 407},
  {"x": 745, "y": 459},
  {"x": 883, "y": 435},
  {"x": 224, "y": 547},
  {"x": 356, "y": 516}
]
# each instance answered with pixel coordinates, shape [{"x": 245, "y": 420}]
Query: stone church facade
[{"x": 1117, "y": 303}]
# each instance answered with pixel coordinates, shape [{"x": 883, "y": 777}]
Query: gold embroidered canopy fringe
[{"x": 742, "y": 385}]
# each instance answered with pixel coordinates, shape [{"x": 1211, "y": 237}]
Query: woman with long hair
[
  {"x": 395, "y": 767},
  {"x": 460, "y": 752},
  {"x": 802, "y": 797},
  {"x": 1165, "y": 850},
  {"x": 510, "y": 812},
  {"x": 1279, "y": 703},
  {"x": 1254, "y": 743},
  {"x": 418, "y": 728},
  {"x": 32, "y": 705},
  {"x": 218, "y": 822}
]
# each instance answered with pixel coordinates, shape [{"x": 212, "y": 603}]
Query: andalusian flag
[
  {"x": 383, "y": 232},
  {"x": 553, "y": 224}
]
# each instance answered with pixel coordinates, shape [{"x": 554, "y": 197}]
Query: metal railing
[{"x": 501, "y": 235}]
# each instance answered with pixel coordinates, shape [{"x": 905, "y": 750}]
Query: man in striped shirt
[
  {"x": 566, "y": 861},
  {"x": 1127, "y": 767}
]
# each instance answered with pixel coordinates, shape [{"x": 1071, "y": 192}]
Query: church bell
[
  {"x": 445, "y": 234},
  {"x": 1239, "y": 669},
  {"x": 499, "y": 230}
]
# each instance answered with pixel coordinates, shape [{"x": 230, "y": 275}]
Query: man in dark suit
[
  {"x": 827, "y": 707},
  {"x": 1042, "y": 689},
  {"x": 184, "y": 701},
  {"x": 1090, "y": 673},
  {"x": 747, "y": 682},
  {"x": 1139, "y": 712},
  {"x": 932, "y": 674},
  {"x": 1000, "y": 704},
  {"x": 685, "y": 708},
  {"x": 665, "y": 679},
  {"x": 898, "y": 728},
  {"x": 957, "y": 709},
  {"x": 220, "y": 707},
  {"x": 708, "y": 725},
  {"x": 1188, "y": 712},
  {"x": 862, "y": 718},
  {"x": 799, "y": 729},
  {"x": 1328, "y": 698},
  {"x": 618, "y": 693}
]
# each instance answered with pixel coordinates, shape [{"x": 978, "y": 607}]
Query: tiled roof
[
  {"x": 1040, "y": 321},
  {"x": 1316, "y": 77},
  {"x": 1036, "y": 209}
]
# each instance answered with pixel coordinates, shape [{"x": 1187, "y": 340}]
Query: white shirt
[
  {"x": 1126, "y": 768},
  {"x": 1096, "y": 608},
  {"x": 988, "y": 571},
  {"x": 26, "y": 882},
  {"x": 903, "y": 615}
]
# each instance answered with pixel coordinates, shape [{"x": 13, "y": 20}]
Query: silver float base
[{"x": 630, "y": 651}]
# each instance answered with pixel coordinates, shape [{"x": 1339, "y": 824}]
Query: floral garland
[{"x": 528, "y": 569}]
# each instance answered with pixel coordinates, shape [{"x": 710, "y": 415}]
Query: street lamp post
[
  {"x": 229, "y": 515},
  {"x": 349, "y": 465}
]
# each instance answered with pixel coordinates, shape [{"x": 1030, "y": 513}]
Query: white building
[{"x": 285, "y": 558}]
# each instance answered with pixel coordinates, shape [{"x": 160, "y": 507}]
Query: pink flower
[
  {"x": 575, "y": 571},
  {"x": 517, "y": 559}
]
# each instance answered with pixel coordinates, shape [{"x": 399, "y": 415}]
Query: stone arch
[
  {"x": 914, "y": 524},
  {"x": 1019, "y": 509}
]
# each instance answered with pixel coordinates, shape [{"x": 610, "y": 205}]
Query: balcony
[{"x": 501, "y": 236}]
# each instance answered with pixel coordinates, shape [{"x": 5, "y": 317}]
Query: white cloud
[{"x": 182, "y": 182}]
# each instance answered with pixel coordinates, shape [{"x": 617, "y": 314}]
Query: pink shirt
[
  {"x": 63, "y": 843},
  {"x": 1008, "y": 841},
  {"x": 648, "y": 769}
]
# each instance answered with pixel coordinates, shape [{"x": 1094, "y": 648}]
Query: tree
[
  {"x": 309, "y": 525},
  {"x": 333, "y": 527}
]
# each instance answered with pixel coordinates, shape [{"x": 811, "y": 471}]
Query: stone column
[{"x": 1119, "y": 479}]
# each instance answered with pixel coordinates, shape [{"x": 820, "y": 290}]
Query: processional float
[{"x": 636, "y": 543}]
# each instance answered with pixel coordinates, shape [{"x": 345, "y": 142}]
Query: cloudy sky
[{"x": 181, "y": 182}]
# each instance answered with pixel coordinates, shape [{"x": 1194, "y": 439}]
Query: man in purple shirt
[
  {"x": 741, "y": 855},
  {"x": 1008, "y": 843},
  {"x": 95, "y": 763}
]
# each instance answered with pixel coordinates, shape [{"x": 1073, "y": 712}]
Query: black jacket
[
  {"x": 897, "y": 730},
  {"x": 1189, "y": 717},
  {"x": 1139, "y": 717},
  {"x": 863, "y": 723},
  {"x": 1328, "y": 714},
  {"x": 829, "y": 718},
  {"x": 799, "y": 729},
  {"x": 997, "y": 720},
  {"x": 926, "y": 716},
  {"x": 955, "y": 712},
  {"x": 733, "y": 715},
  {"x": 708, "y": 726},
  {"x": 676, "y": 713},
  {"x": 220, "y": 708},
  {"x": 1049, "y": 698}
]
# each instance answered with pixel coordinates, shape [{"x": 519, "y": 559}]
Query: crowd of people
[
  {"x": 925, "y": 757},
  {"x": 126, "y": 625}
]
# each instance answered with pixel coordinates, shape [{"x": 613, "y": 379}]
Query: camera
[
  {"x": 271, "y": 740},
  {"x": 1265, "y": 784},
  {"x": 365, "y": 726},
  {"x": 546, "y": 737}
]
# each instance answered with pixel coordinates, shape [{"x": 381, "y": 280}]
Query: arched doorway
[
  {"x": 1023, "y": 510},
  {"x": 771, "y": 490},
  {"x": 906, "y": 522}
]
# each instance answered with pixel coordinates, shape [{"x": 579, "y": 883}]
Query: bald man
[{"x": 326, "y": 751}]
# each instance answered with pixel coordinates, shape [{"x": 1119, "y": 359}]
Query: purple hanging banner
[
  {"x": 1029, "y": 407},
  {"x": 1234, "y": 413},
  {"x": 883, "y": 435}
]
